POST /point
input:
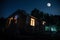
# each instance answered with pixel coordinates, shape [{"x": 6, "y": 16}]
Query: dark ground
[{"x": 28, "y": 36}]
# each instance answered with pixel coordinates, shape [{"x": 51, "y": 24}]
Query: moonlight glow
[{"x": 48, "y": 4}]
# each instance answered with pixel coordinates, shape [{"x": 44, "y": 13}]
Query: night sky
[{"x": 7, "y": 7}]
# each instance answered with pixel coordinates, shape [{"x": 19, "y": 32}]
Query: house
[{"x": 23, "y": 21}]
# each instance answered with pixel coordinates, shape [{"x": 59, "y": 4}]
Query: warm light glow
[
  {"x": 43, "y": 22},
  {"x": 10, "y": 20},
  {"x": 32, "y": 23}
]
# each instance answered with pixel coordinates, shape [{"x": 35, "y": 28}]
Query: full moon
[{"x": 49, "y": 4}]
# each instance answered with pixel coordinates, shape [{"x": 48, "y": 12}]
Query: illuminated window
[
  {"x": 10, "y": 20},
  {"x": 53, "y": 29},
  {"x": 32, "y": 23},
  {"x": 47, "y": 28}
]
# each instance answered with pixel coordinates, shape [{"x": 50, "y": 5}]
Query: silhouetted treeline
[
  {"x": 2, "y": 22},
  {"x": 50, "y": 19}
]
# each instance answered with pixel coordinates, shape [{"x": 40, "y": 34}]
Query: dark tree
[{"x": 35, "y": 13}]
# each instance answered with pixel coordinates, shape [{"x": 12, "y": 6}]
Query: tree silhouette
[{"x": 35, "y": 13}]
